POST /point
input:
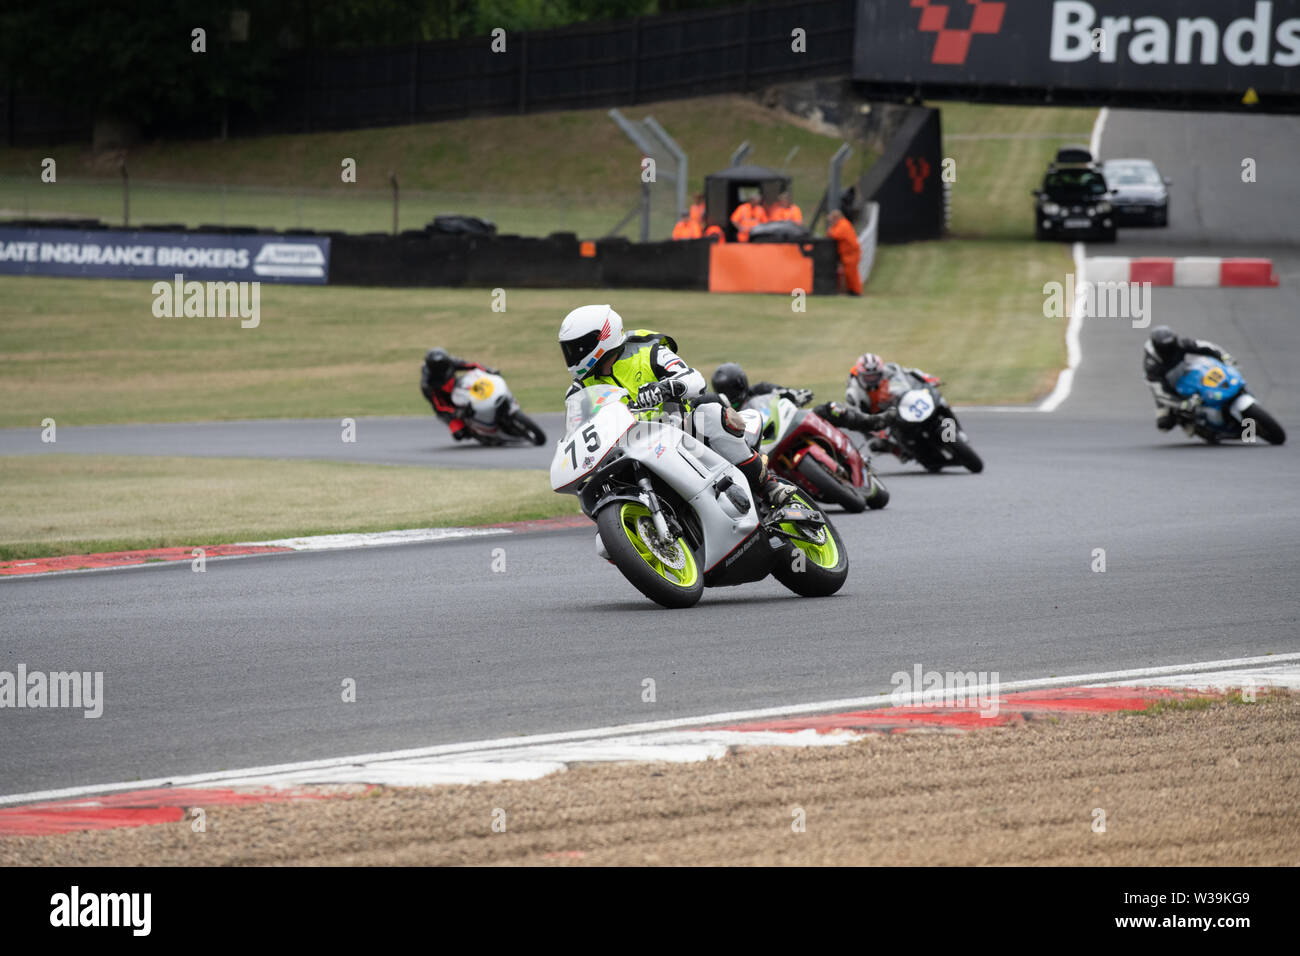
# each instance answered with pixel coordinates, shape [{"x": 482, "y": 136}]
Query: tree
[{"x": 133, "y": 65}]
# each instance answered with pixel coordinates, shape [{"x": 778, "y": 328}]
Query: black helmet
[
  {"x": 730, "y": 380},
  {"x": 438, "y": 361},
  {"x": 1164, "y": 342}
]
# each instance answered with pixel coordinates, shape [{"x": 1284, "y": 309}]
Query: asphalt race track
[
  {"x": 421, "y": 440},
  {"x": 242, "y": 665}
]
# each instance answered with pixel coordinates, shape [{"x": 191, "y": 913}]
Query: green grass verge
[
  {"x": 1233, "y": 698},
  {"x": 1001, "y": 153},
  {"x": 87, "y": 352},
  {"x": 570, "y": 170},
  {"x": 91, "y": 351},
  {"x": 544, "y": 173},
  {"x": 1159, "y": 707},
  {"x": 78, "y": 504}
]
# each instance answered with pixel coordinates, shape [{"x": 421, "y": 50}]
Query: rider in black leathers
[
  {"x": 730, "y": 381},
  {"x": 1161, "y": 353},
  {"x": 437, "y": 381}
]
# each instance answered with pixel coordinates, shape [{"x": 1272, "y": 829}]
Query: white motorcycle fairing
[
  {"x": 916, "y": 406},
  {"x": 772, "y": 416},
  {"x": 686, "y": 465},
  {"x": 482, "y": 392}
]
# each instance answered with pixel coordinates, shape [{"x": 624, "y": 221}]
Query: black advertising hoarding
[
  {"x": 1129, "y": 52},
  {"x": 906, "y": 180}
]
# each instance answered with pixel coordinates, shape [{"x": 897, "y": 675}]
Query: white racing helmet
[{"x": 587, "y": 334}]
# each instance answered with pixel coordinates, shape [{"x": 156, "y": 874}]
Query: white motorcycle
[
  {"x": 675, "y": 517},
  {"x": 493, "y": 415}
]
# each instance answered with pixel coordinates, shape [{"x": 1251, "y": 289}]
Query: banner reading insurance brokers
[
  {"x": 123, "y": 254},
  {"x": 1207, "y": 47}
]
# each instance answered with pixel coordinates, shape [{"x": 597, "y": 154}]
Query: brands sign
[
  {"x": 1206, "y": 47},
  {"x": 123, "y": 254}
]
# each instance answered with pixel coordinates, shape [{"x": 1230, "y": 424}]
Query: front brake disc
[{"x": 671, "y": 556}]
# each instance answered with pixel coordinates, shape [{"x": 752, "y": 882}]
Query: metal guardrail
[{"x": 867, "y": 241}]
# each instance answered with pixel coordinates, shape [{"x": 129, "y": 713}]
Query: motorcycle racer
[
  {"x": 873, "y": 390},
  {"x": 874, "y": 426},
  {"x": 599, "y": 350},
  {"x": 1162, "y": 351},
  {"x": 730, "y": 381},
  {"x": 438, "y": 379}
]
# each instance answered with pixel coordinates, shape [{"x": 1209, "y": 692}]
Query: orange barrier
[{"x": 759, "y": 267}]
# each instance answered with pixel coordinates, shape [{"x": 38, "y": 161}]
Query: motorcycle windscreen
[
  {"x": 597, "y": 419},
  {"x": 1213, "y": 381},
  {"x": 762, "y": 415},
  {"x": 916, "y": 405}
]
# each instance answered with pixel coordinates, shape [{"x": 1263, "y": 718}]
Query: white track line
[
  {"x": 501, "y": 746},
  {"x": 1073, "y": 350},
  {"x": 1098, "y": 125},
  {"x": 374, "y": 539},
  {"x": 320, "y": 542}
]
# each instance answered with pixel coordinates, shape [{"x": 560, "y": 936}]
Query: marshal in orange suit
[{"x": 846, "y": 241}]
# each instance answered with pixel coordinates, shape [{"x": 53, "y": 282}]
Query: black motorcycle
[{"x": 924, "y": 426}]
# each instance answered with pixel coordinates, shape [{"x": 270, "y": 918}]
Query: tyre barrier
[{"x": 422, "y": 258}]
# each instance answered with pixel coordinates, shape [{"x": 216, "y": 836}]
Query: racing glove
[
  {"x": 833, "y": 412},
  {"x": 653, "y": 393},
  {"x": 846, "y": 417},
  {"x": 800, "y": 396}
]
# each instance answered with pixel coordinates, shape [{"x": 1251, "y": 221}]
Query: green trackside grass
[
  {"x": 77, "y": 504},
  {"x": 1001, "y": 154},
  {"x": 86, "y": 352},
  {"x": 91, "y": 351},
  {"x": 355, "y": 210},
  {"x": 564, "y": 171},
  {"x": 1233, "y": 699},
  {"x": 544, "y": 173}
]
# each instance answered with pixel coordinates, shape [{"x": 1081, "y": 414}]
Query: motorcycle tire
[
  {"x": 966, "y": 457},
  {"x": 1266, "y": 426},
  {"x": 521, "y": 426},
  {"x": 812, "y": 570},
  {"x": 831, "y": 488},
  {"x": 878, "y": 496},
  {"x": 619, "y": 524}
]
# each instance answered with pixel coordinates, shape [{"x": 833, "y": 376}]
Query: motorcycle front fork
[{"x": 656, "y": 513}]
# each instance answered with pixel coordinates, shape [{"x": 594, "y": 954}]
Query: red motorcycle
[{"x": 810, "y": 452}]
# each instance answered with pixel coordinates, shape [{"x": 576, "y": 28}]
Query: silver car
[{"x": 1139, "y": 192}]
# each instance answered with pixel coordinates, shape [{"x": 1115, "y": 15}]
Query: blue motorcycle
[{"x": 1216, "y": 404}]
